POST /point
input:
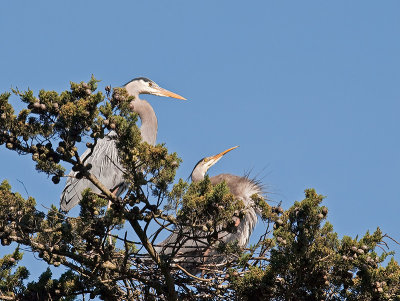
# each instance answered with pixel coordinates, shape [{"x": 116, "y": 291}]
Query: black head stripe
[{"x": 145, "y": 79}]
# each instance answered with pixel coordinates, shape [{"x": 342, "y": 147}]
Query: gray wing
[
  {"x": 242, "y": 188},
  {"x": 188, "y": 249},
  {"x": 186, "y": 244},
  {"x": 105, "y": 166}
]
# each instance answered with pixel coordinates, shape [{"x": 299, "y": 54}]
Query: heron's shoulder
[
  {"x": 227, "y": 178},
  {"x": 234, "y": 182},
  {"x": 239, "y": 183}
]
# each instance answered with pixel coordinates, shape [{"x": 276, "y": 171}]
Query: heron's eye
[{"x": 150, "y": 84}]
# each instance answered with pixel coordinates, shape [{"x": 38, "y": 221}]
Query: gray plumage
[
  {"x": 106, "y": 166},
  {"x": 192, "y": 252},
  {"x": 104, "y": 158},
  {"x": 242, "y": 188}
]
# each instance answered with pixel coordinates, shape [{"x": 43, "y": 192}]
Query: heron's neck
[
  {"x": 148, "y": 118},
  {"x": 197, "y": 175}
]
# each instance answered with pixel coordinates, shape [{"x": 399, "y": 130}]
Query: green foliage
[
  {"x": 309, "y": 262},
  {"x": 47, "y": 288},
  {"x": 207, "y": 207},
  {"x": 64, "y": 118},
  {"x": 12, "y": 277}
]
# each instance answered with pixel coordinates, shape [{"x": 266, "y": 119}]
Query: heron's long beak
[
  {"x": 166, "y": 93},
  {"x": 216, "y": 158},
  {"x": 224, "y": 152}
]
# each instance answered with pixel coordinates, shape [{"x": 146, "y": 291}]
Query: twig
[
  {"x": 191, "y": 275},
  {"x": 2, "y": 297},
  {"x": 391, "y": 238},
  {"x": 27, "y": 194}
]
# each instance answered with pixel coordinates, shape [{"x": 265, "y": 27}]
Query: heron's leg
[
  {"x": 205, "y": 255},
  {"x": 114, "y": 192}
]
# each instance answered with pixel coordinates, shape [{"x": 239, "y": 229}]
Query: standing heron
[
  {"x": 105, "y": 162},
  {"x": 197, "y": 250}
]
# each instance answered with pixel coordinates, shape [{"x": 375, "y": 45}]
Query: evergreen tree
[{"x": 298, "y": 257}]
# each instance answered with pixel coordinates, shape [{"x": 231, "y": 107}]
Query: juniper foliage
[{"x": 298, "y": 257}]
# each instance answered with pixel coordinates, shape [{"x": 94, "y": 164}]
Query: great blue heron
[
  {"x": 105, "y": 162},
  {"x": 192, "y": 252}
]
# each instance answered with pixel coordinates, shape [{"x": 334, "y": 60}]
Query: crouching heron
[{"x": 192, "y": 253}]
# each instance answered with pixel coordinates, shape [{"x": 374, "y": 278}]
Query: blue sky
[{"x": 308, "y": 89}]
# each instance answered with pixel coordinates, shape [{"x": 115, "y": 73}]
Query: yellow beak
[
  {"x": 167, "y": 93},
  {"x": 224, "y": 152}
]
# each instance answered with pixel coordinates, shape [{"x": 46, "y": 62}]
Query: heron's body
[
  {"x": 106, "y": 165},
  {"x": 103, "y": 159},
  {"x": 242, "y": 188},
  {"x": 193, "y": 252}
]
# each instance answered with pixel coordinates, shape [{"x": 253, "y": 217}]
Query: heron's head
[
  {"x": 204, "y": 164},
  {"x": 143, "y": 85}
]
